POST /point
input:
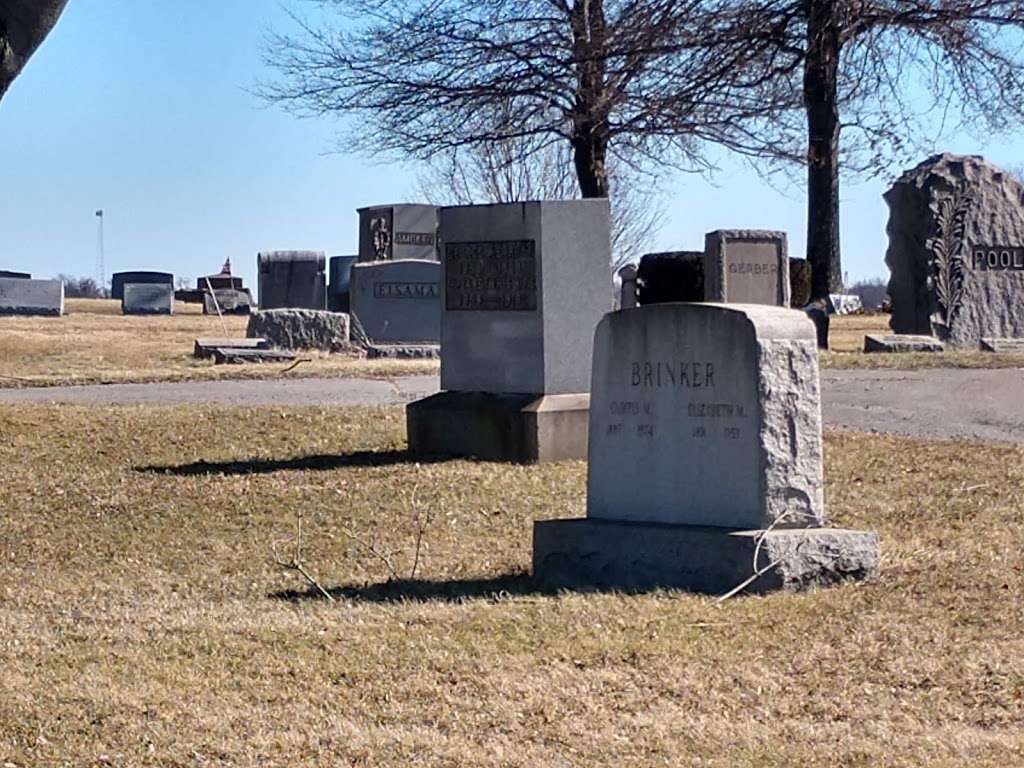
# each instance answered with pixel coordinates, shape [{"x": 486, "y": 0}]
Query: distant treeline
[{"x": 83, "y": 288}]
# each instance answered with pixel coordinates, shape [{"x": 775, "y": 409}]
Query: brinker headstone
[
  {"x": 523, "y": 286},
  {"x": 705, "y": 439},
  {"x": 956, "y": 251}
]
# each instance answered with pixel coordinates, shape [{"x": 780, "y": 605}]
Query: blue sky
[{"x": 143, "y": 108}]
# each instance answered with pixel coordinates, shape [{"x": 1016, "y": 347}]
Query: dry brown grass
[
  {"x": 143, "y": 624},
  {"x": 95, "y": 344}
]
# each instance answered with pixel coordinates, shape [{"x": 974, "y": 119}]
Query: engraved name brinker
[
  {"x": 406, "y": 290},
  {"x": 685, "y": 374},
  {"x": 998, "y": 258}
]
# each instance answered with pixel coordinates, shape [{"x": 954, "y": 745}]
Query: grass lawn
[
  {"x": 143, "y": 622},
  {"x": 95, "y": 344}
]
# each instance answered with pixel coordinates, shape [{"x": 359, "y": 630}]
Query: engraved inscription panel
[
  {"x": 414, "y": 238},
  {"x": 998, "y": 258},
  {"x": 392, "y": 290},
  {"x": 674, "y": 422},
  {"x": 491, "y": 276},
  {"x": 752, "y": 273}
]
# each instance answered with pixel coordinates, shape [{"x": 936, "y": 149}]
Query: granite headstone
[
  {"x": 746, "y": 267},
  {"x": 397, "y": 301},
  {"x": 147, "y": 298},
  {"x": 393, "y": 232},
  {"x": 20, "y": 296},
  {"x": 292, "y": 280}
]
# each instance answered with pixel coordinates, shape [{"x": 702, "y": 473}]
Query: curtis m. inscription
[
  {"x": 683, "y": 375},
  {"x": 491, "y": 276}
]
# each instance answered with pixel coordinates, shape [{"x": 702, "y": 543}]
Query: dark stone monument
[
  {"x": 292, "y": 280},
  {"x": 392, "y": 232},
  {"x": 670, "y": 276},
  {"x": 338, "y": 288},
  {"x": 119, "y": 279}
]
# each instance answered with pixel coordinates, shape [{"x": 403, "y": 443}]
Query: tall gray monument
[
  {"x": 956, "y": 251},
  {"x": 705, "y": 459},
  {"x": 523, "y": 286}
]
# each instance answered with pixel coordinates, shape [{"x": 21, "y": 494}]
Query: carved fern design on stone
[{"x": 947, "y": 251}]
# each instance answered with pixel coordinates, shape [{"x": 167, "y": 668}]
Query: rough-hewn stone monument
[
  {"x": 705, "y": 449},
  {"x": 301, "y": 329},
  {"x": 956, "y": 251},
  {"x": 523, "y": 286}
]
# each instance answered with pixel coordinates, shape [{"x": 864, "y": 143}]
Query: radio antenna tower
[{"x": 101, "y": 267}]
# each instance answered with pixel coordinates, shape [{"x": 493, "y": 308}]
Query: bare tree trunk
[
  {"x": 821, "y": 70},
  {"x": 590, "y": 124},
  {"x": 24, "y": 24}
]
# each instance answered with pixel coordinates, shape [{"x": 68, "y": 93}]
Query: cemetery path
[{"x": 941, "y": 403}]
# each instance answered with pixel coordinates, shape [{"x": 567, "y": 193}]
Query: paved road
[{"x": 986, "y": 404}]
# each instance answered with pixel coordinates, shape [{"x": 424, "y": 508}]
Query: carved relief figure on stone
[
  {"x": 948, "y": 249},
  {"x": 381, "y": 234}
]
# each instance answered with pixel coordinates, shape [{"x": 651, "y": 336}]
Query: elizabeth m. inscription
[{"x": 491, "y": 276}]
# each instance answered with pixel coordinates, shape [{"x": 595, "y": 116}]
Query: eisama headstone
[
  {"x": 705, "y": 437},
  {"x": 292, "y": 280},
  {"x": 397, "y": 301},
  {"x": 394, "y": 232},
  {"x": 147, "y": 298},
  {"x": 20, "y": 296},
  {"x": 746, "y": 267},
  {"x": 956, "y": 251},
  {"x": 523, "y": 286}
]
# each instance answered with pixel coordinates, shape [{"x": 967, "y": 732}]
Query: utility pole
[{"x": 100, "y": 256}]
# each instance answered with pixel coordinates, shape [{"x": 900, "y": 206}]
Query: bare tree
[
  {"x": 878, "y": 78},
  {"x": 639, "y": 82},
  {"x": 497, "y": 173},
  {"x": 24, "y": 24}
]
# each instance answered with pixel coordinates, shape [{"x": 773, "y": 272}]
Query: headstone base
[
  {"x": 586, "y": 553},
  {"x": 1002, "y": 345},
  {"x": 404, "y": 351},
  {"x": 902, "y": 342},
  {"x": 525, "y": 429}
]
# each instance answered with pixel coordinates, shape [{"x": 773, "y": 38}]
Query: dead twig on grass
[
  {"x": 371, "y": 549},
  {"x": 295, "y": 563},
  {"x": 758, "y": 572},
  {"x": 296, "y": 364}
]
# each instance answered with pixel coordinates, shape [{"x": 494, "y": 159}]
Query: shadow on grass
[
  {"x": 322, "y": 462},
  {"x": 422, "y": 591}
]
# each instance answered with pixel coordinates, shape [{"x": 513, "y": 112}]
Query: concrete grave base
[
  {"x": 204, "y": 348},
  {"x": 587, "y": 553},
  {"x": 1002, "y": 345},
  {"x": 525, "y": 429},
  {"x": 404, "y": 351},
  {"x": 902, "y": 342}
]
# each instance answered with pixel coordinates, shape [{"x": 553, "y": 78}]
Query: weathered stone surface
[
  {"x": 713, "y": 413},
  {"x": 204, "y": 347},
  {"x": 147, "y": 299},
  {"x": 230, "y": 301},
  {"x": 956, "y": 251},
  {"x": 404, "y": 351},
  {"x": 19, "y": 296},
  {"x": 902, "y": 343},
  {"x": 601, "y": 554},
  {"x": 744, "y": 266},
  {"x": 301, "y": 329},
  {"x": 799, "y": 283},
  {"x": 397, "y": 301},
  {"x": 120, "y": 279},
  {"x": 292, "y": 279},
  {"x": 1002, "y": 345},
  {"x": 670, "y": 276},
  {"x": 237, "y": 356}
]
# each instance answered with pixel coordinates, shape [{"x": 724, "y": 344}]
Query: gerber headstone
[
  {"x": 147, "y": 299},
  {"x": 398, "y": 301},
  {"x": 120, "y": 279},
  {"x": 20, "y": 296},
  {"x": 705, "y": 437},
  {"x": 292, "y": 280},
  {"x": 956, "y": 251},
  {"x": 392, "y": 232},
  {"x": 523, "y": 285},
  {"x": 746, "y": 267}
]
